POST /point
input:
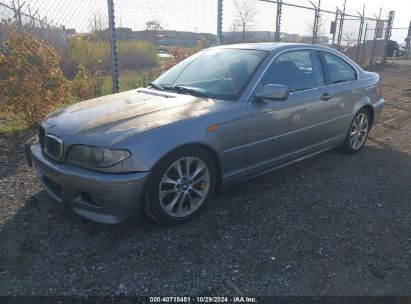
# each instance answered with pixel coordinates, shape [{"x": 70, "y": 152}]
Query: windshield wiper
[
  {"x": 185, "y": 90},
  {"x": 156, "y": 86}
]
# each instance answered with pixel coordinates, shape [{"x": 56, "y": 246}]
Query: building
[{"x": 165, "y": 38}]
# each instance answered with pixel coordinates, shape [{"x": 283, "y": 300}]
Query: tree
[
  {"x": 349, "y": 38},
  {"x": 245, "y": 12},
  {"x": 234, "y": 28},
  {"x": 321, "y": 32},
  {"x": 97, "y": 27},
  {"x": 98, "y": 23}
]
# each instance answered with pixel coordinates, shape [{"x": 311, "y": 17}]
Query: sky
[{"x": 200, "y": 15}]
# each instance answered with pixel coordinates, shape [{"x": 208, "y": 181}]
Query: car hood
[{"x": 110, "y": 119}]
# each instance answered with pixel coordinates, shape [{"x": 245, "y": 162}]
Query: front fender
[{"x": 148, "y": 148}]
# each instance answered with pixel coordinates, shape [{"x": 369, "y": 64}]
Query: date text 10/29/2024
[{"x": 205, "y": 299}]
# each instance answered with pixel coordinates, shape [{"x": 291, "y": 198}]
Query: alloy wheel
[
  {"x": 184, "y": 186},
  {"x": 359, "y": 131}
]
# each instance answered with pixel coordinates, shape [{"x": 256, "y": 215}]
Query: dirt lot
[{"x": 333, "y": 224}]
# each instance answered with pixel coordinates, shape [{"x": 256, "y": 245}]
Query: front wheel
[
  {"x": 358, "y": 132},
  {"x": 180, "y": 186}
]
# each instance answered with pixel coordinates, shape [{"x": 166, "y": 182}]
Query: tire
[
  {"x": 357, "y": 133},
  {"x": 174, "y": 197}
]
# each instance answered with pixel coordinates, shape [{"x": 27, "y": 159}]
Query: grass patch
[{"x": 12, "y": 125}]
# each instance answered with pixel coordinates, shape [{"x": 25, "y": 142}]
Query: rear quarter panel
[{"x": 372, "y": 95}]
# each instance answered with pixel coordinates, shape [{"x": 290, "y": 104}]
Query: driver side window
[{"x": 299, "y": 70}]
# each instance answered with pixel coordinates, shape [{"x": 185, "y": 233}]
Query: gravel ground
[{"x": 330, "y": 225}]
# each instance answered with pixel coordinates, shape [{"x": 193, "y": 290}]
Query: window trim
[
  {"x": 327, "y": 71},
  {"x": 293, "y": 51},
  {"x": 254, "y": 87}
]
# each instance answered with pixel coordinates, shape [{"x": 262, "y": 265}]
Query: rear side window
[
  {"x": 338, "y": 69},
  {"x": 299, "y": 70}
]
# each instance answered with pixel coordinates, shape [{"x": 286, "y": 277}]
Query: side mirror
[{"x": 273, "y": 92}]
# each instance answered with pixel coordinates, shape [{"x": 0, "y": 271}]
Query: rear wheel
[
  {"x": 180, "y": 186},
  {"x": 358, "y": 132}
]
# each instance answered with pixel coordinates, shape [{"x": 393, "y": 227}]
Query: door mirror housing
[{"x": 273, "y": 92}]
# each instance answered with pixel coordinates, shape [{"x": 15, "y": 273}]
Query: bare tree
[
  {"x": 349, "y": 38},
  {"x": 321, "y": 32},
  {"x": 245, "y": 14},
  {"x": 234, "y": 28},
  {"x": 97, "y": 26},
  {"x": 17, "y": 10}
]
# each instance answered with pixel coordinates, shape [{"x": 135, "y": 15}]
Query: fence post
[
  {"x": 357, "y": 51},
  {"x": 374, "y": 45},
  {"x": 278, "y": 21},
  {"x": 219, "y": 21},
  {"x": 408, "y": 42},
  {"x": 316, "y": 21},
  {"x": 364, "y": 48},
  {"x": 113, "y": 45},
  {"x": 387, "y": 34},
  {"x": 335, "y": 22},
  {"x": 340, "y": 28}
]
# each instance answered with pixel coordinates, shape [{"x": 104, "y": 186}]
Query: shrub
[
  {"x": 31, "y": 82},
  {"x": 136, "y": 54},
  {"x": 95, "y": 56},
  {"x": 85, "y": 85},
  {"x": 82, "y": 51}
]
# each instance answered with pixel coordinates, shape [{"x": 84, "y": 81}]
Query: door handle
[{"x": 327, "y": 96}]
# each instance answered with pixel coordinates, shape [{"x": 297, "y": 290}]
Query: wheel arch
[
  {"x": 370, "y": 111},
  {"x": 365, "y": 104}
]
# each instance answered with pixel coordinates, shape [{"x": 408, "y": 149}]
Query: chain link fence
[
  {"x": 147, "y": 37},
  {"x": 247, "y": 21}
]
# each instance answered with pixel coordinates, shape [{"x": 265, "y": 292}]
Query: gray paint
[{"x": 253, "y": 136}]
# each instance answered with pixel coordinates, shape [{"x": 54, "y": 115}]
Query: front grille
[{"x": 53, "y": 146}]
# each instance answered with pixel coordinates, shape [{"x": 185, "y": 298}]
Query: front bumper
[{"x": 102, "y": 197}]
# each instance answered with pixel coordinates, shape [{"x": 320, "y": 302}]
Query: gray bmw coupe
[{"x": 224, "y": 115}]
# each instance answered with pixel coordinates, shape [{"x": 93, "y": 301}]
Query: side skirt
[{"x": 245, "y": 176}]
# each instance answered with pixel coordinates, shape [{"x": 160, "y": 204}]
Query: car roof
[
  {"x": 262, "y": 46},
  {"x": 281, "y": 46}
]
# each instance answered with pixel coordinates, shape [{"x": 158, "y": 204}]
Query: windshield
[{"x": 218, "y": 73}]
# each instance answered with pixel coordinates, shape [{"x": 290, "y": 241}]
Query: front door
[{"x": 279, "y": 131}]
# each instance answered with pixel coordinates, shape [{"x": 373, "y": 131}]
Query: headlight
[{"x": 95, "y": 157}]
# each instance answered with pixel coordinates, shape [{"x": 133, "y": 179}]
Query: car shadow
[{"x": 321, "y": 215}]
